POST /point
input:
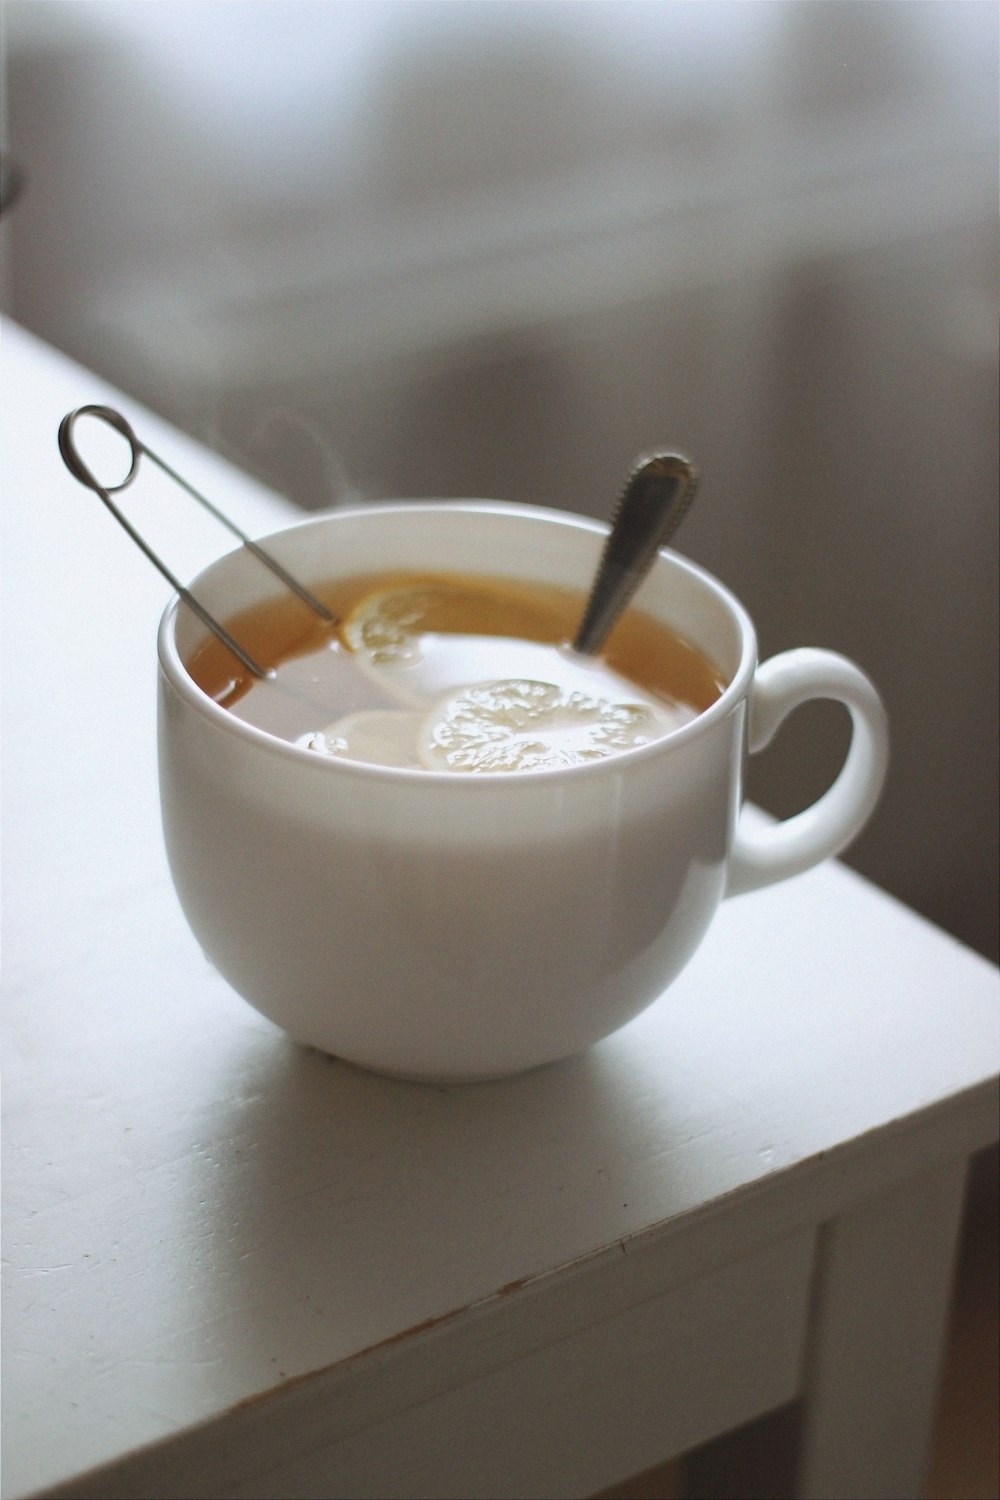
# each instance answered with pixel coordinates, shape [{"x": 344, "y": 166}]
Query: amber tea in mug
[{"x": 369, "y": 686}]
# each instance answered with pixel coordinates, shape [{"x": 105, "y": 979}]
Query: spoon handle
[{"x": 656, "y": 497}]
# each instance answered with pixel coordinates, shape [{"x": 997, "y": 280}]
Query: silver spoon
[{"x": 654, "y": 501}]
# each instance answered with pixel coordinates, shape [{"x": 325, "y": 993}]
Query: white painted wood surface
[
  {"x": 232, "y": 1265},
  {"x": 884, "y": 1265}
]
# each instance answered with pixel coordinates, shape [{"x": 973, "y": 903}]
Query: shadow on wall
[{"x": 498, "y": 250}]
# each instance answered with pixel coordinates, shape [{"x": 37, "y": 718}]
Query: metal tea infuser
[
  {"x": 75, "y": 464},
  {"x": 655, "y": 499}
]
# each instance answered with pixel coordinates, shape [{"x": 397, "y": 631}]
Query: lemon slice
[
  {"x": 384, "y": 622},
  {"x": 387, "y": 631},
  {"x": 518, "y": 724},
  {"x": 410, "y": 640},
  {"x": 383, "y": 627},
  {"x": 376, "y": 736}
]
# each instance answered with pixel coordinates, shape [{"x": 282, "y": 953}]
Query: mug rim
[{"x": 176, "y": 674}]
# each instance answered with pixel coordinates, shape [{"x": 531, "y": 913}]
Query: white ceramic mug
[{"x": 454, "y": 927}]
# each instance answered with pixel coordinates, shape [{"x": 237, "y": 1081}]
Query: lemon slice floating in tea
[
  {"x": 415, "y": 640},
  {"x": 384, "y": 626},
  {"x": 524, "y": 725}
]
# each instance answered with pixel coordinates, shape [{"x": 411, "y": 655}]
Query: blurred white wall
[{"x": 471, "y": 247}]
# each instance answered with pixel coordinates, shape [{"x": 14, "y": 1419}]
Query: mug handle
[{"x": 762, "y": 856}]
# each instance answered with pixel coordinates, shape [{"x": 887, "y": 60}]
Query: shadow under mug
[{"x": 446, "y": 926}]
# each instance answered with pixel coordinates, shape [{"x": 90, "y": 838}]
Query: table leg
[{"x": 877, "y": 1328}]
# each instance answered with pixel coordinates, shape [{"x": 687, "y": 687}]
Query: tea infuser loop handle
[
  {"x": 80, "y": 471},
  {"x": 71, "y": 455}
]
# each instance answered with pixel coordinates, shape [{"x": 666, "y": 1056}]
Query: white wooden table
[{"x": 235, "y": 1268}]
